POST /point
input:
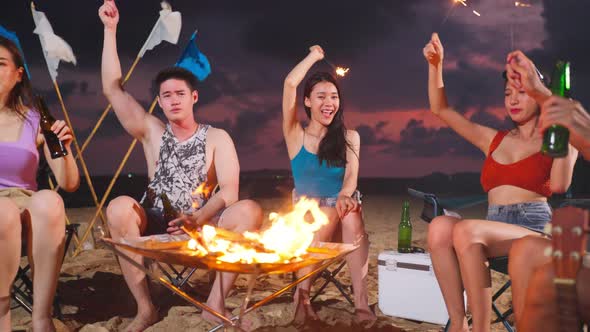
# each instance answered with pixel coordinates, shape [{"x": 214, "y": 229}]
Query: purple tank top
[{"x": 19, "y": 160}]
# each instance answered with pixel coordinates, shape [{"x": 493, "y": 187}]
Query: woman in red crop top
[
  {"x": 38, "y": 217},
  {"x": 517, "y": 178}
]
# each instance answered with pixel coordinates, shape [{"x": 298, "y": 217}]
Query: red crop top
[{"x": 531, "y": 173}]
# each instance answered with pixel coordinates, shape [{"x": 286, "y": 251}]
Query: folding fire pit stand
[{"x": 176, "y": 252}]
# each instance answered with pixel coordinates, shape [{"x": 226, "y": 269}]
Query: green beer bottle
[
  {"x": 170, "y": 213},
  {"x": 556, "y": 137},
  {"x": 55, "y": 146},
  {"x": 404, "y": 236}
]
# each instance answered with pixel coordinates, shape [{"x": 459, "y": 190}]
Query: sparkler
[
  {"x": 518, "y": 5},
  {"x": 521, "y": 4},
  {"x": 340, "y": 71},
  {"x": 455, "y": 2}
]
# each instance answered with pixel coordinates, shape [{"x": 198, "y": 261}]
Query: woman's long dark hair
[
  {"x": 333, "y": 145},
  {"x": 21, "y": 93}
]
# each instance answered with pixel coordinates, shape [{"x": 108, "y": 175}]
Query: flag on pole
[
  {"x": 194, "y": 61},
  {"x": 13, "y": 38},
  {"x": 166, "y": 28},
  {"x": 54, "y": 47}
]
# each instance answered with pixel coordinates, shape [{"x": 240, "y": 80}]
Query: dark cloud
[
  {"x": 566, "y": 23},
  {"x": 373, "y": 137},
  {"x": 248, "y": 124},
  {"x": 419, "y": 141},
  {"x": 346, "y": 29}
]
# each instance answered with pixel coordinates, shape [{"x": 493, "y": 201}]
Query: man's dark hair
[{"x": 176, "y": 73}]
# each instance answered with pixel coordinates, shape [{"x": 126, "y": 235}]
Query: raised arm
[
  {"x": 478, "y": 135},
  {"x": 64, "y": 169},
  {"x": 522, "y": 73},
  {"x": 130, "y": 113},
  {"x": 292, "y": 127}
]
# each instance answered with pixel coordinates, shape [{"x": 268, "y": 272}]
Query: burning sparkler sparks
[
  {"x": 341, "y": 71},
  {"x": 476, "y": 13},
  {"x": 455, "y": 2},
  {"x": 521, "y": 4}
]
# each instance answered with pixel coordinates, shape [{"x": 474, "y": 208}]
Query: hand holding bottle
[{"x": 571, "y": 115}]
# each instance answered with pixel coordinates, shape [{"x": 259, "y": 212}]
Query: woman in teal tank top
[
  {"x": 325, "y": 161},
  {"x": 37, "y": 217}
]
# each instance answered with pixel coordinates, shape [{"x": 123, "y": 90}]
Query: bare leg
[
  {"x": 540, "y": 313},
  {"x": 303, "y": 309},
  {"x": 353, "y": 231},
  {"x": 242, "y": 216},
  {"x": 526, "y": 255},
  {"x": 46, "y": 216},
  {"x": 10, "y": 245},
  {"x": 126, "y": 218},
  {"x": 475, "y": 241},
  {"x": 446, "y": 269}
]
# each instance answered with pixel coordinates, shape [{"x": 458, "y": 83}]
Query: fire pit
[{"x": 282, "y": 247}]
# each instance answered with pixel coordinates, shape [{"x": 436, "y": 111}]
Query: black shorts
[{"x": 156, "y": 224}]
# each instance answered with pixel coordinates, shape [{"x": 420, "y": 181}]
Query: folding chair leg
[
  {"x": 23, "y": 299},
  {"x": 330, "y": 278},
  {"x": 185, "y": 279},
  {"x": 502, "y": 318}
]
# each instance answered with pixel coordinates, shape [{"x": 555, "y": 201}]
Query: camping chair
[
  {"x": 329, "y": 276},
  {"x": 433, "y": 207},
  {"x": 22, "y": 287}
]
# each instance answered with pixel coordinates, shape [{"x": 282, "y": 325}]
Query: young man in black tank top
[{"x": 218, "y": 164}]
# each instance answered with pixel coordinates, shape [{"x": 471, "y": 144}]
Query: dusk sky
[{"x": 252, "y": 45}]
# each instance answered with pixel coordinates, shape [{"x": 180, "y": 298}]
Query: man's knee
[
  {"x": 122, "y": 212},
  {"x": 245, "y": 215}
]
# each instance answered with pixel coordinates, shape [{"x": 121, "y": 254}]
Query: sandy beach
[{"x": 95, "y": 298}]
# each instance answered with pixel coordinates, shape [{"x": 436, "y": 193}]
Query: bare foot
[
  {"x": 303, "y": 309},
  {"x": 365, "y": 317},
  {"x": 463, "y": 327},
  {"x": 44, "y": 324},
  {"x": 143, "y": 320}
]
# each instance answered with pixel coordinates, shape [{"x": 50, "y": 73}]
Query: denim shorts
[
  {"x": 532, "y": 215},
  {"x": 326, "y": 201}
]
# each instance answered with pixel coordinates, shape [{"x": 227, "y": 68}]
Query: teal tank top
[{"x": 313, "y": 179}]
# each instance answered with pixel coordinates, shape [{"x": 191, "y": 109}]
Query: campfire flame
[
  {"x": 285, "y": 240},
  {"x": 341, "y": 71},
  {"x": 202, "y": 191}
]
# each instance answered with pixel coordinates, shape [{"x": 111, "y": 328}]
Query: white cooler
[{"x": 408, "y": 288}]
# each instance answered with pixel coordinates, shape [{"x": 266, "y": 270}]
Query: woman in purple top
[{"x": 35, "y": 216}]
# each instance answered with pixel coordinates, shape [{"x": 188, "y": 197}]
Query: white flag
[
  {"x": 166, "y": 28},
  {"x": 54, "y": 47}
]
